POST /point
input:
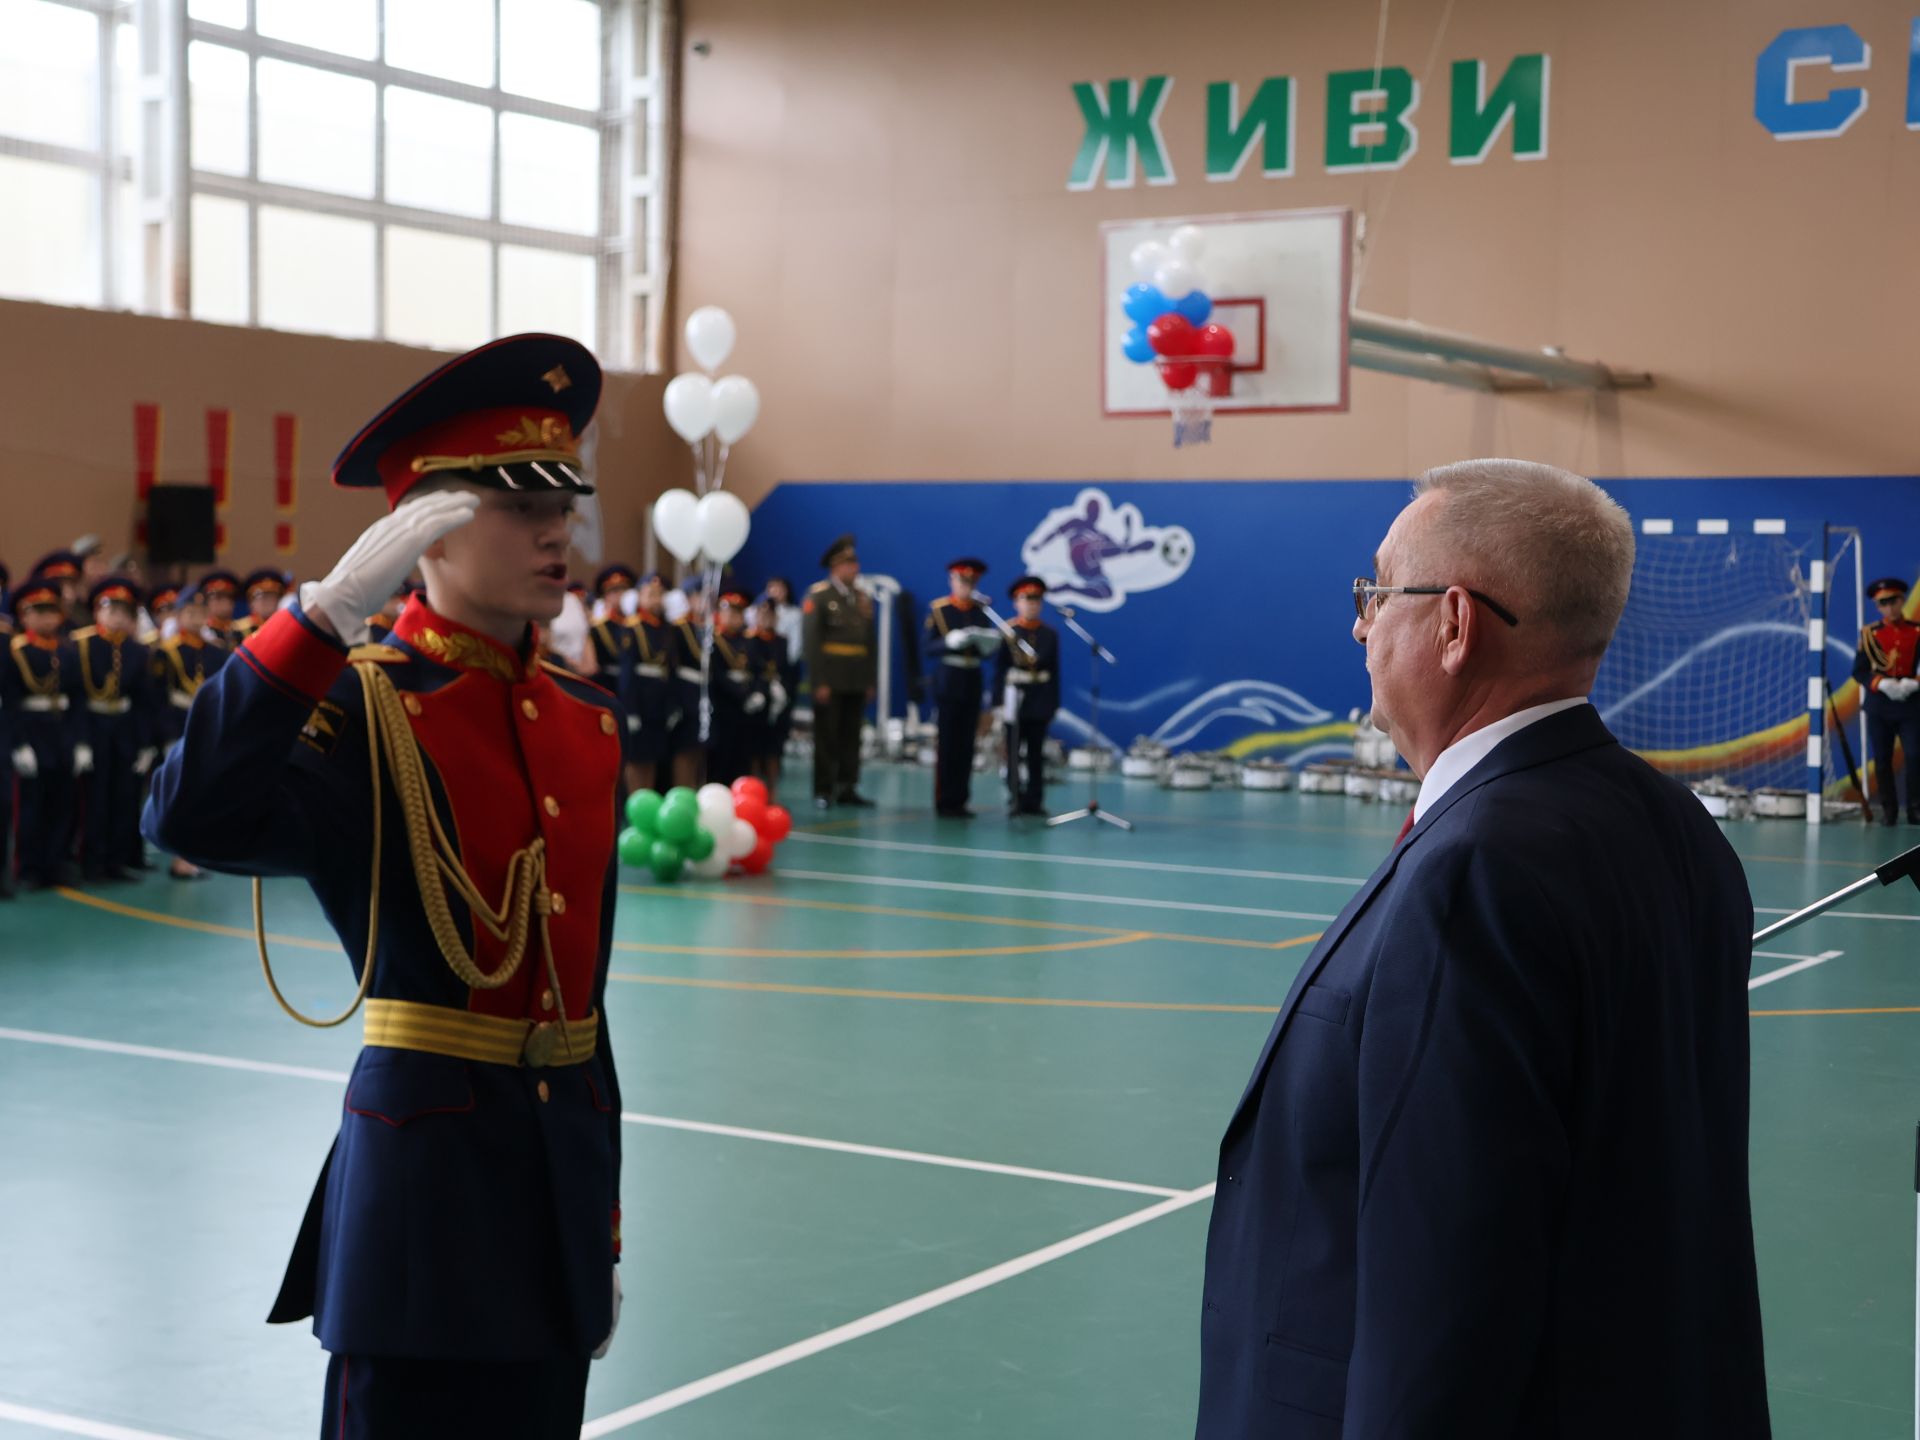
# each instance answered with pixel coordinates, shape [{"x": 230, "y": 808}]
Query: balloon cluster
[
  {"x": 698, "y": 405},
  {"x": 703, "y": 832},
  {"x": 714, "y": 525},
  {"x": 1169, "y": 306}
]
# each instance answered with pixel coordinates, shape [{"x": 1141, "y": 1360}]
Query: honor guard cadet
[
  {"x": 738, "y": 691},
  {"x": 959, "y": 638},
  {"x": 181, "y": 664},
  {"x": 115, "y": 730},
  {"x": 450, "y": 799},
  {"x": 62, "y": 569},
  {"x": 40, "y": 693},
  {"x": 264, "y": 590},
  {"x": 1886, "y": 665},
  {"x": 649, "y": 701},
  {"x": 220, "y": 589},
  {"x": 1026, "y": 679},
  {"x": 840, "y": 637},
  {"x": 769, "y": 651}
]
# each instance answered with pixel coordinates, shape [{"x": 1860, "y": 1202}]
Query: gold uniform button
[
  {"x": 559, "y": 903},
  {"x": 606, "y": 723},
  {"x": 543, "y": 1092},
  {"x": 529, "y": 709},
  {"x": 412, "y": 702},
  {"x": 546, "y": 999},
  {"x": 550, "y": 805}
]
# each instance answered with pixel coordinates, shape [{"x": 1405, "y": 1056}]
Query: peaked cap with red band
[
  {"x": 507, "y": 416},
  {"x": 116, "y": 588}
]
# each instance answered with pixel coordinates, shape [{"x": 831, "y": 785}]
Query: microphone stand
[{"x": 1091, "y": 810}]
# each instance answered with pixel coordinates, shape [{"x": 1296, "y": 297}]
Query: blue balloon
[
  {"x": 1195, "y": 306},
  {"x": 1145, "y": 304},
  {"x": 1136, "y": 346}
]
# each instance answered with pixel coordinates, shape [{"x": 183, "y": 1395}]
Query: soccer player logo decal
[{"x": 1094, "y": 554}]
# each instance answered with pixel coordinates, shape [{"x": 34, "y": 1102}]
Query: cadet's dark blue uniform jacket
[
  {"x": 1490, "y": 1177},
  {"x": 468, "y": 1210}
]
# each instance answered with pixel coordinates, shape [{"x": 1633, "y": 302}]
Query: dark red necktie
[{"x": 1405, "y": 826}]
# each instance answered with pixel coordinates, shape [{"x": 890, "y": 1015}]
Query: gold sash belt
[{"x": 489, "y": 1039}]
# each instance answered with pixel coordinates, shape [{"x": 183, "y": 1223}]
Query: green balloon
[
  {"x": 681, "y": 795},
  {"x": 700, "y": 843},
  {"x": 665, "y": 859},
  {"x": 643, "y": 810},
  {"x": 678, "y": 822},
  {"x": 635, "y": 848}
]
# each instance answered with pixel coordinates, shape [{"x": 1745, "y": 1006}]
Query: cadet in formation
[
  {"x": 959, "y": 639},
  {"x": 1026, "y": 681}
]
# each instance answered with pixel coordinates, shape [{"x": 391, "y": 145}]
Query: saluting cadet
[
  {"x": 841, "y": 643},
  {"x": 458, "y": 1257},
  {"x": 181, "y": 665},
  {"x": 265, "y": 589},
  {"x": 739, "y": 691},
  {"x": 1026, "y": 680},
  {"x": 1887, "y": 664},
  {"x": 220, "y": 588},
  {"x": 769, "y": 651},
  {"x": 649, "y": 699},
  {"x": 40, "y": 690},
  {"x": 116, "y": 731},
  {"x": 959, "y": 637}
]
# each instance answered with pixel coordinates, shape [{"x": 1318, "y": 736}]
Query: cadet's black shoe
[
  {"x": 955, "y": 813},
  {"x": 1033, "y": 809},
  {"x": 858, "y": 801}
]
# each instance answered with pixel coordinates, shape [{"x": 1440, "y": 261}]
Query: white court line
[
  {"x": 883, "y": 1319},
  {"x": 1033, "y": 857},
  {"x": 1807, "y": 963},
  {"x": 1840, "y": 914},
  {"x": 1134, "y": 901},
  {"x": 880, "y": 1152},
  {"x": 658, "y": 1122},
  {"x": 73, "y": 1424},
  {"x": 1780, "y": 955}
]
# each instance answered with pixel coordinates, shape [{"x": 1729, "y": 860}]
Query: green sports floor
[{"x": 921, "y": 1136}]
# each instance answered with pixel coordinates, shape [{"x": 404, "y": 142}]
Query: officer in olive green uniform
[{"x": 843, "y": 666}]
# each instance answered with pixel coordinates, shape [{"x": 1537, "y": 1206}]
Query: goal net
[{"x": 1709, "y": 672}]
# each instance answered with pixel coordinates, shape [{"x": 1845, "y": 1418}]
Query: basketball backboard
[{"x": 1279, "y": 282}]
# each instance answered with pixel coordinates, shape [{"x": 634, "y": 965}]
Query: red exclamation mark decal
[
  {"x": 146, "y": 462},
  {"x": 219, "y": 468},
  {"x": 286, "y": 467}
]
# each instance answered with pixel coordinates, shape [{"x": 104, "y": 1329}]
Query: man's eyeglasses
[{"x": 1366, "y": 597}]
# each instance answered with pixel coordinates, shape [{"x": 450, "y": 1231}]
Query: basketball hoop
[{"x": 1193, "y": 385}]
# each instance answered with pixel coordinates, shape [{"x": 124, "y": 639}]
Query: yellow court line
[
  {"x": 680, "y": 892},
  {"x": 1878, "y": 1010},
  {"x": 1095, "y": 942},
  {"x": 842, "y": 992},
  {"x": 181, "y": 922}
]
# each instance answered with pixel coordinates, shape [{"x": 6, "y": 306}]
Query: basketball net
[{"x": 1193, "y": 385}]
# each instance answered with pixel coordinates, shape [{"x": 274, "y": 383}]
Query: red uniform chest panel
[
  {"x": 1901, "y": 645},
  {"x": 518, "y": 760}
]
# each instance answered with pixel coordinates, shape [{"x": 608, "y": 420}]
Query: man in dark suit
[{"x": 1489, "y": 1178}]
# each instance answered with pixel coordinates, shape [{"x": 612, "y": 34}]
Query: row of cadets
[
  {"x": 959, "y": 638},
  {"x": 1026, "y": 677}
]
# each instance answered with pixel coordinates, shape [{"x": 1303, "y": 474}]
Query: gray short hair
[{"x": 1550, "y": 545}]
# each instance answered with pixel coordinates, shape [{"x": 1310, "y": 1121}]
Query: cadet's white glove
[
  {"x": 984, "y": 640},
  {"x": 383, "y": 556},
  {"x": 756, "y": 702},
  {"x": 82, "y": 759},
  {"x": 26, "y": 764},
  {"x": 633, "y": 724},
  {"x": 607, "y": 1344},
  {"x": 957, "y": 639},
  {"x": 778, "y": 693},
  {"x": 143, "y": 762},
  {"x": 1899, "y": 689}
]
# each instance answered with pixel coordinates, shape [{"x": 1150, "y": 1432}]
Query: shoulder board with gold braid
[
  {"x": 378, "y": 654},
  {"x": 1870, "y": 645},
  {"x": 85, "y": 632},
  {"x": 20, "y": 642}
]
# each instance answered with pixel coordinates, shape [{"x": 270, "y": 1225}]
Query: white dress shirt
[{"x": 1468, "y": 751}]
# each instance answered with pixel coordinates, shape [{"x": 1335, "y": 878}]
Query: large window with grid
[{"x": 435, "y": 172}]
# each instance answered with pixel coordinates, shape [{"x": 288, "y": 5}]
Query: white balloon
[
  {"x": 689, "y": 406},
  {"x": 1147, "y": 257},
  {"x": 1177, "y": 279},
  {"x": 1189, "y": 243},
  {"x": 711, "y": 868},
  {"x": 716, "y": 810},
  {"x": 676, "y": 524},
  {"x": 740, "y": 840},
  {"x": 722, "y": 524},
  {"x": 736, "y": 405},
  {"x": 710, "y": 336}
]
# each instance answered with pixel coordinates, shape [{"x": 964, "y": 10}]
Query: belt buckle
[{"x": 544, "y": 1045}]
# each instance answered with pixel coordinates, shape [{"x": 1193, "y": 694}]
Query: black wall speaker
[{"x": 180, "y": 525}]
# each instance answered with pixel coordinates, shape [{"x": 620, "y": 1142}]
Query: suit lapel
[{"x": 1553, "y": 738}]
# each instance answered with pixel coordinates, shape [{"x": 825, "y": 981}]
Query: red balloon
[
  {"x": 1179, "y": 375},
  {"x": 752, "y": 808},
  {"x": 1214, "y": 340},
  {"x": 779, "y": 823},
  {"x": 748, "y": 785},
  {"x": 1171, "y": 335},
  {"x": 758, "y": 858}
]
